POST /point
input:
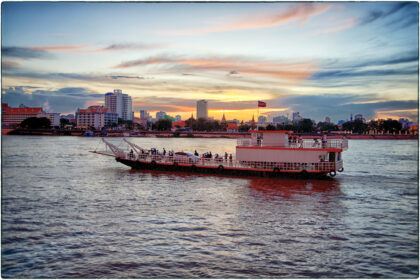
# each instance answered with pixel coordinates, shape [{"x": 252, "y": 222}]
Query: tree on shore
[
  {"x": 163, "y": 124},
  {"x": 35, "y": 123}
]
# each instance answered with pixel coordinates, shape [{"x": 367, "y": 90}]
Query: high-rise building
[
  {"x": 160, "y": 115},
  {"x": 120, "y": 103},
  {"x": 296, "y": 116},
  {"x": 178, "y": 118},
  {"x": 327, "y": 119},
  {"x": 202, "y": 109},
  {"x": 144, "y": 114}
]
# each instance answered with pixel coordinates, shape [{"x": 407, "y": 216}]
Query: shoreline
[{"x": 187, "y": 134}]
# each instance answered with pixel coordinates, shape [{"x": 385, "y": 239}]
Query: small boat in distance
[{"x": 266, "y": 153}]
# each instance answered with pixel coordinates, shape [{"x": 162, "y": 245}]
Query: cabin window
[{"x": 331, "y": 157}]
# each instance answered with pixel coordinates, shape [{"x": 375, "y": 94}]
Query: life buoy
[
  {"x": 175, "y": 163},
  {"x": 341, "y": 169},
  {"x": 276, "y": 171},
  {"x": 153, "y": 163},
  {"x": 333, "y": 173},
  {"x": 220, "y": 167}
]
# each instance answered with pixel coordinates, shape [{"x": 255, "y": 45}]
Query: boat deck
[{"x": 222, "y": 163}]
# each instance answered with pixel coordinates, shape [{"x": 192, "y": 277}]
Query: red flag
[{"x": 262, "y": 104}]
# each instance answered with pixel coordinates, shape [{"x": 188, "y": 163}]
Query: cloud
[
  {"x": 117, "y": 47},
  {"x": 10, "y": 64},
  {"x": 403, "y": 65},
  {"x": 296, "y": 12},
  {"x": 115, "y": 77},
  {"x": 64, "y": 100},
  {"x": 286, "y": 70},
  {"x": 90, "y": 48},
  {"x": 340, "y": 106},
  {"x": 24, "y": 53},
  {"x": 375, "y": 15},
  {"x": 68, "y": 76},
  {"x": 68, "y": 48},
  {"x": 347, "y": 24},
  {"x": 366, "y": 73}
]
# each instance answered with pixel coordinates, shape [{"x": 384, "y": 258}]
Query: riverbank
[{"x": 188, "y": 134}]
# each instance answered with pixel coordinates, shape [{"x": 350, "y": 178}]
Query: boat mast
[
  {"x": 135, "y": 147},
  {"x": 115, "y": 150}
]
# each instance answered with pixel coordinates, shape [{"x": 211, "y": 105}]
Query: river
[{"x": 68, "y": 213}]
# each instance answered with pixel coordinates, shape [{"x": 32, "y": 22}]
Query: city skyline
[{"x": 320, "y": 59}]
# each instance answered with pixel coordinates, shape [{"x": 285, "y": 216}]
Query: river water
[{"x": 68, "y": 213}]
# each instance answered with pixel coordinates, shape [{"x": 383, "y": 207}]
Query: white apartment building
[
  {"x": 53, "y": 117},
  {"x": 120, "y": 103},
  {"x": 95, "y": 116},
  {"x": 202, "y": 111}
]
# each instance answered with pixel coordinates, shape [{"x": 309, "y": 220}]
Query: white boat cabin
[{"x": 282, "y": 147}]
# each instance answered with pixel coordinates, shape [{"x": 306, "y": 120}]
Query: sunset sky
[{"x": 321, "y": 59}]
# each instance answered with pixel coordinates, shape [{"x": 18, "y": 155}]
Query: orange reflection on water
[{"x": 270, "y": 188}]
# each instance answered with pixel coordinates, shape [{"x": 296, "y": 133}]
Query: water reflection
[
  {"x": 288, "y": 188},
  {"x": 269, "y": 188}
]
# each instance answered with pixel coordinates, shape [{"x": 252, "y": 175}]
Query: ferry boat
[{"x": 265, "y": 153}]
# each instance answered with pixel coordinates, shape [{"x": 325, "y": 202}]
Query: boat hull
[{"x": 221, "y": 169}]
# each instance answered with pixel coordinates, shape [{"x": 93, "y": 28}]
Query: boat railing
[
  {"x": 315, "y": 143},
  {"x": 232, "y": 162}
]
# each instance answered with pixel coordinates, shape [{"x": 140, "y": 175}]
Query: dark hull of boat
[{"x": 226, "y": 170}]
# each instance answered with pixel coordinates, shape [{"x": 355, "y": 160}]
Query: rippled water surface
[{"x": 67, "y": 213}]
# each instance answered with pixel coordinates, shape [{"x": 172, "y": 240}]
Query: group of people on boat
[
  {"x": 217, "y": 157},
  {"x": 297, "y": 141}
]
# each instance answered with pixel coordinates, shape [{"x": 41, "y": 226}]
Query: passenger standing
[
  {"x": 324, "y": 141},
  {"x": 226, "y": 156}
]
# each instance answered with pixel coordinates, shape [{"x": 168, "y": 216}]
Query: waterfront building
[
  {"x": 14, "y": 116},
  {"x": 120, "y": 103},
  {"x": 296, "y": 117},
  {"x": 144, "y": 114},
  {"x": 160, "y": 115},
  {"x": 280, "y": 120},
  {"x": 178, "y": 118},
  {"x": 169, "y": 118},
  {"x": 202, "y": 111},
  {"x": 69, "y": 117},
  {"x": 53, "y": 117},
  {"x": 262, "y": 119},
  {"x": 232, "y": 127},
  {"x": 358, "y": 117},
  {"x": 95, "y": 116}
]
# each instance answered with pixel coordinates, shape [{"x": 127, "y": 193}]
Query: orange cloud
[
  {"x": 69, "y": 48},
  {"x": 300, "y": 12},
  {"x": 88, "y": 48},
  {"x": 288, "y": 71},
  {"x": 10, "y": 64},
  {"x": 349, "y": 23}
]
